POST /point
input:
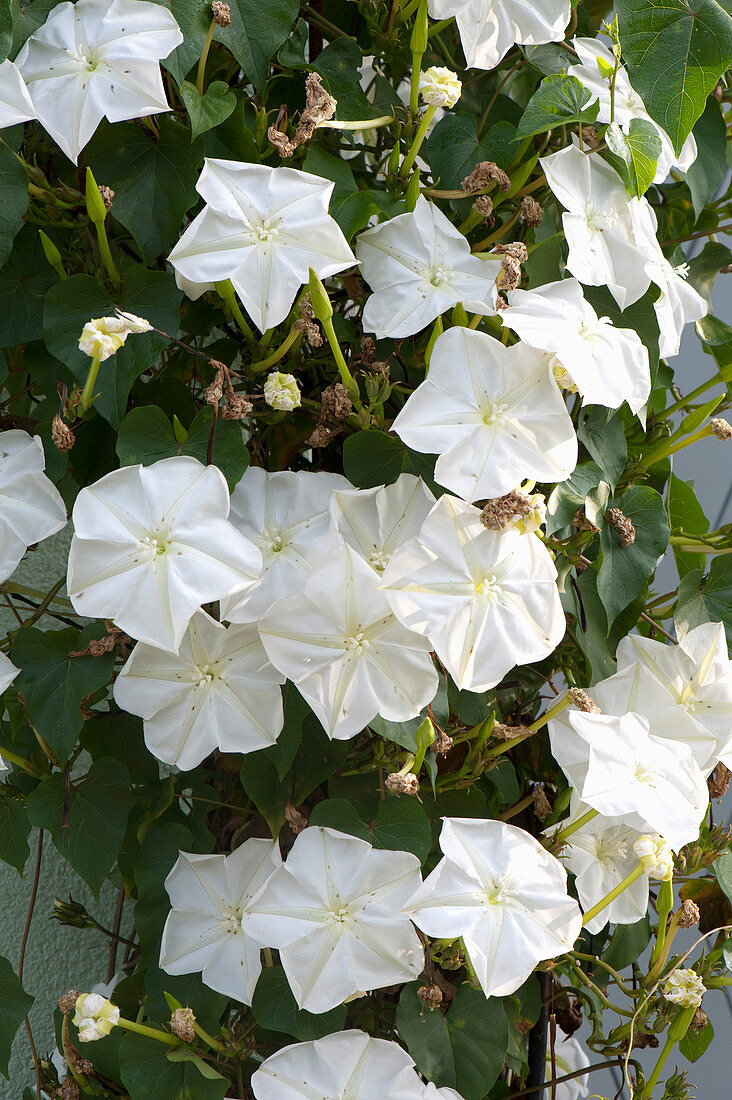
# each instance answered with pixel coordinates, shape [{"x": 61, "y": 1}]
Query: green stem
[
  {"x": 676, "y": 1032},
  {"x": 277, "y": 354},
  {"x": 149, "y": 1032},
  {"x": 414, "y": 86},
  {"x": 562, "y": 835},
  {"x": 683, "y": 401},
  {"x": 634, "y": 875},
  {"x": 20, "y": 762},
  {"x": 551, "y": 713},
  {"x": 87, "y": 394},
  {"x": 664, "y": 903},
  {"x": 359, "y": 124},
  {"x": 226, "y": 292},
  {"x": 417, "y": 143},
  {"x": 201, "y": 73},
  {"x": 209, "y": 1039},
  {"x": 498, "y": 233},
  {"x": 112, "y": 271},
  {"x": 349, "y": 382}
]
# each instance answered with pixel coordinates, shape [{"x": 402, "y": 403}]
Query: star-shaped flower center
[
  {"x": 266, "y": 231},
  {"x": 379, "y": 561},
  {"x": 487, "y": 587},
  {"x": 356, "y": 642},
  {"x": 440, "y": 275},
  {"x": 203, "y": 674},
  {"x": 494, "y": 412},
  {"x": 232, "y": 919},
  {"x": 156, "y": 543}
]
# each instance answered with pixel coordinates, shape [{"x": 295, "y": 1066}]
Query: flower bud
[
  {"x": 50, "y": 251},
  {"x": 420, "y": 30},
  {"x": 656, "y": 857},
  {"x": 95, "y": 206},
  {"x": 133, "y": 324},
  {"x": 95, "y": 1016},
  {"x": 100, "y": 340},
  {"x": 684, "y": 988},
  {"x": 440, "y": 87},
  {"x": 281, "y": 391}
]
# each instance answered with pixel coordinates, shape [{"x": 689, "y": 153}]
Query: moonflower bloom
[
  {"x": 489, "y": 28},
  {"x": 94, "y": 1016},
  {"x": 281, "y": 391},
  {"x": 263, "y": 228},
  {"x": 286, "y": 516},
  {"x": 439, "y": 87},
  {"x": 684, "y": 988},
  {"x": 333, "y": 911},
  {"x": 203, "y": 932},
  {"x": 493, "y": 414},
  {"x": 678, "y": 303},
  {"x": 619, "y": 768},
  {"x": 500, "y": 890},
  {"x": 598, "y": 223},
  {"x": 345, "y": 651},
  {"x": 152, "y": 544},
  {"x": 419, "y": 265},
  {"x": 8, "y": 672},
  {"x": 348, "y": 1065},
  {"x": 15, "y": 103},
  {"x": 693, "y": 681},
  {"x": 569, "y": 1056},
  {"x": 95, "y": 58},
  {"x": 628, "y": 104},
  {"x": 486, "y": 600},
  {"x": 218, "y": 692},
  {"x": 31, "y": 507},
  {"x": 376, "y": 522},
  {"x": 654, "y": 853},
  {"x": 607, "y": 365},
  {"x": 100, "y": 340}
]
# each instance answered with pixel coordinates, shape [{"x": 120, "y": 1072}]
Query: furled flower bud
[
  {"x": 439, "y": 87},
  {"x": 684, "y": 988},
  {"x": 656, "y": 857},
  {"x": 561, "y": 377},
  {"x": 101, "y": 341},
  {"x": 281, "y": 391},
  {"x": 95, "y": 1016},
  {"x": 133, "y": 324}
]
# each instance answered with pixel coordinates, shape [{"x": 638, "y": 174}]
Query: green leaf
[
  {"x": 154, "y": 180},
  {"x": 704, "y": 599},
  {"x": 25, "y": 280},
  {"x": 707, "y": 171},
  {"x": 635, "y": 153},
  {"x": 675, "y": 53},
  {"x": 96, "y": 807},
  {"x": 453, "y": 148},
  {"x": 14, "y": 1006},
  {"x": 15, "y": 199},
  {"x": 400, "y": 824},
  {"x": 558, "y": 101},
  {"x": 14, "y": 832},
  {"x": 147, "y": 435},
  {"x": 479, "y": 1036},
  {"x": 695, "y": 1043},
  {"x": 624, "y": 571},
  {"x": 208, "y": 110},
  {"x": 603, "y": 436},
  {"x": 53, "y": 685},
  {"x": 350, "y": 207},
  {"x": 684, "y": 510},
  {"x": 584, "y": 487},
  {"x": 627, "y": 944},
  {"x": 148, "y": 1074},
  {"x": 722, "y": 868},
  {"x": 276, "y": 1009},
  {"x": 424, "y": 1033},
  {"x": 339, "y": 65},
  {"x": 374, "y": 458}
]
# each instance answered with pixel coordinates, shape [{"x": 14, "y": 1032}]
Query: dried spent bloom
[
  {"x": 531, "y": 211},
  {"x": 688, "y": 914},
  {"x": 656, "y": 857},
  {"x": 582, "y": 701},
  {"x": 402, "y": 784},
  {"x": 307, "y": 325},
  {"x": 684, "y": 988},
  {"x": 582, "y": 523},
  {"x": 720, "y": 428},
  {"x": 483, "y": 175},
  {"x": 320, "y": 107},
  {"x": 107, "y": 195},
  {"x": 221, "y": 13},
  {"x": 67, "y": 1003},
  {"x": 282, "y": 392},
  {"x": 439, "y": 87},
  {"x": 95, "y": 1016},
  {"x": 483, "y": 205},
  {"x": 718, "y": 781},
  {"x": 541, "y": 805},
  {"x": 430, "y": 995},
  {"x": 617, "y": 519},
  {"x": 512, "y": 256},
  {"x": 181, "y": 1024},
  {"x": 61, "y": 434}
]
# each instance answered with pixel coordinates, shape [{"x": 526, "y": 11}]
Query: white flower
[
  {"x": 419, "y": 265},
  {"x": 15, "y": 103},
  {"x": 601, "y": 854},
  {"x": 134, "y": 324},
  {"x": 534, "y": 519},
  {"x": 376, "y": 522},
  {"x": 493, "y": 414},
  {"x": 619, "y": 768},
  {"x": 333, "y": 911},
  {"x": 500, "y": 890},
  {"x": 8, "y": 672},
  {"x": 488, "y": 28},
  {"x": 203, "y": 931},
  {"x": 285, "y": 515},
  {"x": 102, "y": 338},
  {"x": 569, "y": 1056},
  {"x": 487, "y": 600},
  {"x": 263, "y": 228},
  {"x": 96, "y": 58},
  {"x": 656, "y": 856},
  {"x": 152, "y": 544},
  {"x": 607, "y": 365},
  {"x": 218, "y": 692},
  {"x": 599, "y": 223},
  {"x": 439, "y": 87},
  {"x": 281, "y": 391},
  {"x": 31, "y": 507},
  {"x": 348, "y": 1065},
  {"x": 340, "y": 644},
  {"x": 684, "y": 988},
  {"x": 94, "y": 1016},
  {"x": 692, "y": 685},
  {"x": 628, "y": 104}
]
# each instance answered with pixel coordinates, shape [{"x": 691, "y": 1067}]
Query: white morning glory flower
[
  {"x": 203, "y": 931},
  {"x": 569, "y": 1056},
  {"x": 684, "y": 988},
  {"x": 678, "y": 303},
  {"x": 486, "y": 600},
  {"x": 656, "y": 855},
  {"x": 598, "y": 224},
  {"x": 348, "y": 1065},
  {"x": 218, "y": 692},
  {"x": 601, "y": 854},
  {"x": 8, "y": 672},
  {"x": 96, "y": 58},
  {"x": 263, "y": 228},
  {"x": 281, "y": 391},
  {"x": 694, "y": 681},
  {"x": 439, "y": 87},
  {"x": 608, "y": 365},
  {"x": 333, "y": 911},
  {"x": 152, "y": 544},
  {"x": 419, "y": 265},
  {"x": 500, "y": 890},
  {"x": 488, "y": 28},
  {"x": 622, "y": 770},
  {"x": 286, "y": 516},
  {"x": 493, "y": 414},
  {"x": 345, "y": 651},
  {"x": 94, "y": 1016},
  {"x": 15, "y": 103},
  {"x": 376, "y": 522},
  {"x": 628, "y": 104},
  {"x": 31, "y": 507}
]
